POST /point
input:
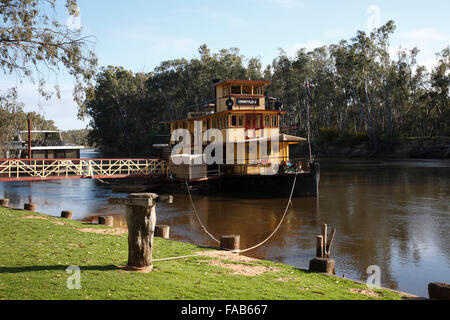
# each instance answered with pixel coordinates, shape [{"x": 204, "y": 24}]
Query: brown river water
[{"x": 393, "y": 214}]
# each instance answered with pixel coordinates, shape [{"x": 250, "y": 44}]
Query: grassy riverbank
[{"x": 36, "y": 250}]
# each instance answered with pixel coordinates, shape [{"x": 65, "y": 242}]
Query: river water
[{"x": 393, "y": 214}]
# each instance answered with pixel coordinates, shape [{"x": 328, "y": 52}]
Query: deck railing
[{"x": 24, "y": 169}]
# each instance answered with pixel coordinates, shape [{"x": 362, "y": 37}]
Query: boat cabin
[
  {"x": 246, "y": 119},
  {"x": 45, "y": 144}
]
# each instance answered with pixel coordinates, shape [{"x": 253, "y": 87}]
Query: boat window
[
  {"x": 241, "y": 121},
  {"x": 274, "y": 121},
  {"x": 258, "y": 90},
  {"x": 226, "y": 91},
  {"x": 233, "y": 120},
  {"x": 208, "y": 124},
  {"x": 250, "y": 122},
  {"x": 267, "y": 121},
  {"x": 235, "y": 89},
  {"x": 246, "y": 89},
  {"x": 258, "y": 122}
]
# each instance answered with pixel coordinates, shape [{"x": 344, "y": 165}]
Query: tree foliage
[
  {"x": 77, "y": 137},
  {"x": 33, "y": 42},
  {"x": 13, "y": 119}
]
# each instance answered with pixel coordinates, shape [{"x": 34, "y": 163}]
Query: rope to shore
[
  {"x": 262, "y": 242},
  {"x": 181, "y": 257},
  {"x": 102, "y": 181},
  {"x": 279, "y": 225},
  {"x": 196, "y": 214}
]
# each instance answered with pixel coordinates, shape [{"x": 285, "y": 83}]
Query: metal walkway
[{"x": 58, "y": 169}]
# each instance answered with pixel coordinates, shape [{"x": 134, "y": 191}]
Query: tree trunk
[{"x": 388, "y": 112}]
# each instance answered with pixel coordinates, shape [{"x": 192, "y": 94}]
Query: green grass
[{"x": 35, "y": 253}]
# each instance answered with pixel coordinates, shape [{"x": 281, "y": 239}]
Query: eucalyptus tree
[
  {"x": 119, "y": 111},
  {"x": 33, "y": 43},
  {"x": 440, "y": 85}
]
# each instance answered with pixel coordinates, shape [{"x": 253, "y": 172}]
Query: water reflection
[{"x": 391, "y": 214}]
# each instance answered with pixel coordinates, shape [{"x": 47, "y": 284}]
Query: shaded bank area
[
  {"x": 40, "y": 249},
  {"x": 438, "y": 148}
]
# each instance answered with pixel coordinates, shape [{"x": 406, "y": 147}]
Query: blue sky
[{"x": 138, "y": 34}]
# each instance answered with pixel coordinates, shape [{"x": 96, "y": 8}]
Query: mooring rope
[
  {"x": 281, "y": 221},
  {"x": 102, "y": 181},
  {"x": 262, "y": 242},
  {"x": 182, "y": 257},
  {"x": 196, "y": 214}
]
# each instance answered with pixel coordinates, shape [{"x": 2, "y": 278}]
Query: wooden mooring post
[
  {"x": 4, "y": 202},
  {"x": 439, "y": 291},
  {"x": 162, "y": 231},
  {"x": 67, "y": 215},
  {"x": 322, "y": 263},
  {"x": 165, "y": 198},
  {"x": 106, "y": 221},
  {"x": 140, "y": 213},
  {"x": 30, "y": 207},
  {"x": 230, "y": 243}
]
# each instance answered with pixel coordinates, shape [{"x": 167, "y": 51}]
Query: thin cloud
[
  {"x": 309, "y": 46},
  {"x": 428, "y": 40},
  {"x": 151, "y": 38},
  {"x": 287, "y": 3}
]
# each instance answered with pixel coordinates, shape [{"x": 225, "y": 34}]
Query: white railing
[{"x": 13, "y": 169}]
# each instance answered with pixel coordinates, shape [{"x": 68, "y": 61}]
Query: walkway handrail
[{"x": 43, "y": 169}]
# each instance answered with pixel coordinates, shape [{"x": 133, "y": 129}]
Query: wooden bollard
[
  {"x": 67, "y": 215},
  {"x": 230, "y": 242},
  {"x": 164, "y": 198},
  {"x": 30, "y": 207},
  {"x": 4, "y": 202},
  {"x": 319, "y": 247},
  {"x": 329, "y": 243},
  {"x": 106, "y": 220},
  {"x": 162, "y": 231},
  {"x": 322, "y": 262},
  {"x": 439, "y": 291},
  {"x": 322, "y": 265},
  {"x": 140, "y": 214},
  {"x": 324, "y": 239}
]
